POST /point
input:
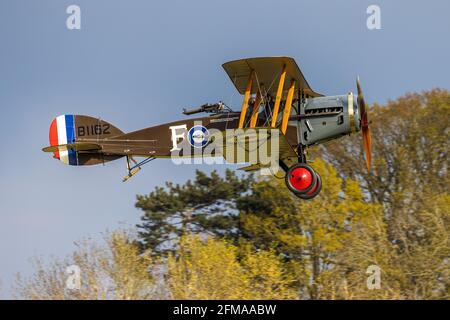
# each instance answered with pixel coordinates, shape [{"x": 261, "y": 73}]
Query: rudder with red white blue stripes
[
  {"x": 62, "y": 132},
  {"x": 68, "y": 130}
]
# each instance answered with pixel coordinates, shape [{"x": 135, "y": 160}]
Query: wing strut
[
  {"x": 287, "y": 107},
  {"x": 248, "y": 90},
  {"x": 278, "y": 98},
  {"x": 255, "y": 112}
]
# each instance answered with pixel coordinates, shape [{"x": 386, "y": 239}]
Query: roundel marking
[{"x": 198, "y": 136}]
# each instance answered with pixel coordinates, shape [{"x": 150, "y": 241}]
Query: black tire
[
  {"x": 315, "y": 193},
  {"x": 291, "y": 187}
]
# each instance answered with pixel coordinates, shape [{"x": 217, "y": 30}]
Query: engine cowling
[{"x": 330, "y": 117}]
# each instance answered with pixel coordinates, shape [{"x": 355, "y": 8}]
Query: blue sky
[{"x": 138, "y": 63}]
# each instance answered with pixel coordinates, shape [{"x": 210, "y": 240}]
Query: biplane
[{"x": 276, "y": 96}]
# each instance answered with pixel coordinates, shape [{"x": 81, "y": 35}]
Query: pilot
[
  {"x": 251, "y": 104},
  {"x": 269, "y": 104}
]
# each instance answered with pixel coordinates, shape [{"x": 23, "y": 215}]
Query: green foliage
[{"x": 205, "y": 205}]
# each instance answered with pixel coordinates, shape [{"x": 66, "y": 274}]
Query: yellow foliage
[
  {"x": 113, "y": 270},
  {"x": 210, "y": 269},
  {"x": 205, "y": 270}
]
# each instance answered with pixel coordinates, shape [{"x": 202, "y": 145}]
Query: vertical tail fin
[{"x": 68, "y": 129}]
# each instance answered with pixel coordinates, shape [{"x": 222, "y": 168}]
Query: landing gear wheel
[
  {"x": 314, "y": 191},
  {"x": 300, "y": 178}
]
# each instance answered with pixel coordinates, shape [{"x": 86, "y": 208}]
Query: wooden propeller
[{"x": 366, "y": 135}]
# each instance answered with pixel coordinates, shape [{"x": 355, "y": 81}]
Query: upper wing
[{"x": 267, "y": 71}]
